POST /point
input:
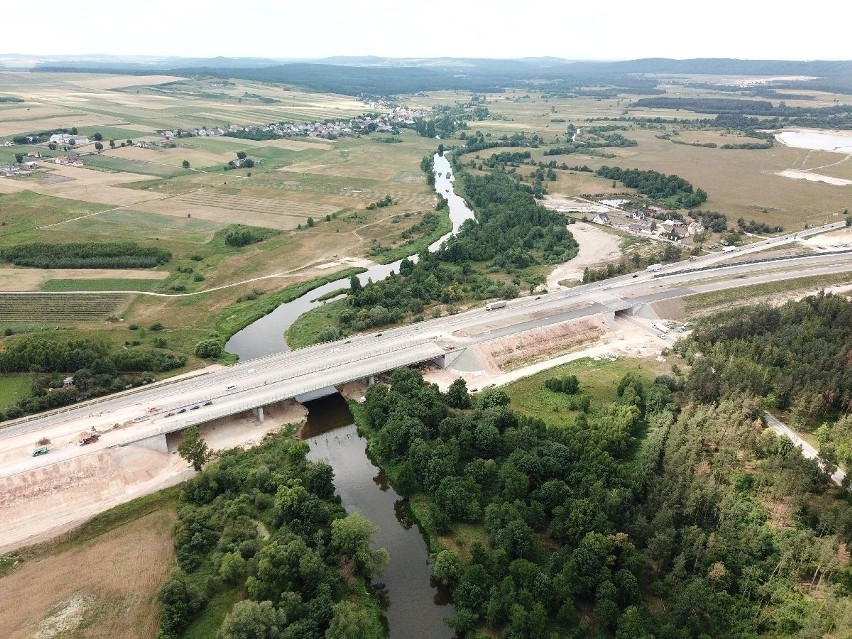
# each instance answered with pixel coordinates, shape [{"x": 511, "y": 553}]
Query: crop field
[
  {"x": 139, "y": 167},
  {"x": 38, "y": 308},
  {"x": 242, "y": 203},
  {"x": 115, "y": 224}
]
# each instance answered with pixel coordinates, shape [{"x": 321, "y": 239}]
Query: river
[
  {"x": 266, "y": 335},
  {"x": 414, "y": 608}
]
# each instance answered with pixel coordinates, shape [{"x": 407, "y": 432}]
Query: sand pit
[{"x": 597, "y": 247}]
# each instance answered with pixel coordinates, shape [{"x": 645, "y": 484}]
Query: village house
[
  {"x": 5, "y": 143},
  {"x": 637, "y": 214},
  {"x": 695, "y": 228},
  {"x": 67, "y": 138},
  {"x": 33, "y": 154},
  {"x": 69, "y": 160},
  {"x": 601, "y": 218}
]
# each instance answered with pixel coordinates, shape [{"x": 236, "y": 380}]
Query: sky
[{"x": 304, "y": 29}]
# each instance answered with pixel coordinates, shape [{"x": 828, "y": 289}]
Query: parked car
[
  {"x": 41, "y": 450},
  {"x": 208, "y": 402},
  {"x": 182, "y": 410},
  {"x": 170, "y": 413},
  {"x": 196, "y": 407}
]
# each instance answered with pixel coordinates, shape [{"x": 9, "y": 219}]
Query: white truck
[
  {"x": 661, "y": 327},
  {"x": 491, "y": 306},
  {"x": 654, "y": 267}
]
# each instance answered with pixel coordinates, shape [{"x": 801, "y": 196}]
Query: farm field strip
[
  {"x": 256, "y": 205},
  {"x": 59, "y": 307}
]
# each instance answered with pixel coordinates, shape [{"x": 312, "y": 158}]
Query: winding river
[
  {"x": 266, "y": 335},
  {"x": 413, "y": 606}
]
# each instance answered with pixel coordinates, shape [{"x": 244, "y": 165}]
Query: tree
[
  {"x": 185, "y": 164},
  {"x": 350, "y": 621},
  {"x": 457, "y": 395},
  {"x": 19, "y": 157},
  {"x": 99, "y": 146},
  {"x": 112, "y": 144},
  {"x": 194, "y": 449},
  {"x": 241, "y": 155},
  {"x": 350, "y": 536},
  {"x": 252, "y": 620},
  {"x": 97, "y": 137},
  {"x": 447, "y": 567}
]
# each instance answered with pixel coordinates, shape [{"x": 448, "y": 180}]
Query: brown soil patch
[
  {"x": 30, "y": 279},
  {"x": 91, "y": 186},
  {"x": 177, "y": 208},
  {"x": 543, "y": 343},
  {"x": 107, "y": 585}
]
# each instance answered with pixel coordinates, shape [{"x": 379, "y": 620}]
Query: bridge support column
[
  {"x": 258, "y": 412},
  {"x": 371, "y": 379},
  {"x": 157, "y": 442}
]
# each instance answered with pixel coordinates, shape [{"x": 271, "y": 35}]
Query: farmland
[{"x": 313, "y": 192}]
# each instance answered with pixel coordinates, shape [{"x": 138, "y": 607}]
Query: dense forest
[
  {"x": 797, "y": 357},
  {"x": 85, "y": 255},
  {"x": 512, "y": 232},
  {"x": 263, "y": 528},
  {"x": 636, "y": 520}
]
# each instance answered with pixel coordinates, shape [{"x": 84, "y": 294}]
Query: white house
[{"x": 601, "y": 218}]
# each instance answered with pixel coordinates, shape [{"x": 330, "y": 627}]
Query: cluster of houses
[
  {"x": 382, "y": 123},
  {"x": 640, "y": 221}
]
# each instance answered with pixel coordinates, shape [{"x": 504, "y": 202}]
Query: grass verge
[
  {"x": 13, "y": 388},
  {"x": 303, "y": 331},
  {"x": 703, "y": 301}
]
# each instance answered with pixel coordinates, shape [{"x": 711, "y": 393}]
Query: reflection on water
[{"x": 414, "y": 604}]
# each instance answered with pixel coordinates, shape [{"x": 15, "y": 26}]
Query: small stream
[
  {"x": 414, "y": 608},
  {"x": 266, "y": 335}
]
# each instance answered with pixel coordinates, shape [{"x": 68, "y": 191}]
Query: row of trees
[
  {"x": 85, "y": 255},
  {"x": 266, "y": 523},
  {"x": 96, "y": 367}
]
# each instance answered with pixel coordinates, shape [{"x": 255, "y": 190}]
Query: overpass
[{"x": 148, "y": 414}]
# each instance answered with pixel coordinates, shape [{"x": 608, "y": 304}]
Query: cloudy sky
[{"x": 604, "y": 30}]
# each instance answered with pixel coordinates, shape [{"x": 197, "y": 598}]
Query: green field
[
  {"x": 21, "y": 214},
  {"x": 63, "y": 285},
  {"x": 133, "y": 166},
  {"x": 169, "y": 229},
  {"x": 13, "y": 388},
  {"x": 598, "y": 380}
]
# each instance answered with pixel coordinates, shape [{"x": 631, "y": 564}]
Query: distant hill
[{"x": 374, "y": 75}]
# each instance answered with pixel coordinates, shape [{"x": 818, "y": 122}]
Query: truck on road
[
  {"x": 492, "y": 306},
  {"x": 654, "y": 267}
]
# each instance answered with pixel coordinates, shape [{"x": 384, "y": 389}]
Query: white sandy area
[
  {"x": 833, "y": 240},
  {"x": 632, "y": 337},
  {"x": 40, "y": 504},
  {"x": 813, "y": 177},
  {"x": 574, "y": 205},
  {"x": 597, "y": 247},
  {"x": 347, "y": 262}
]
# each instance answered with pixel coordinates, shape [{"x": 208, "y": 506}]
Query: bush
[{"x": 208, "y": 348}]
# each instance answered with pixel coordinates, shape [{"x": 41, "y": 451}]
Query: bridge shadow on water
[{"x": 413, "y": 603}]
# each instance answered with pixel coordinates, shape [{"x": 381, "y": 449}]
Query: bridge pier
[
  {"x": 157, "y": 442},
  {"x": 258, "y": 412}
]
